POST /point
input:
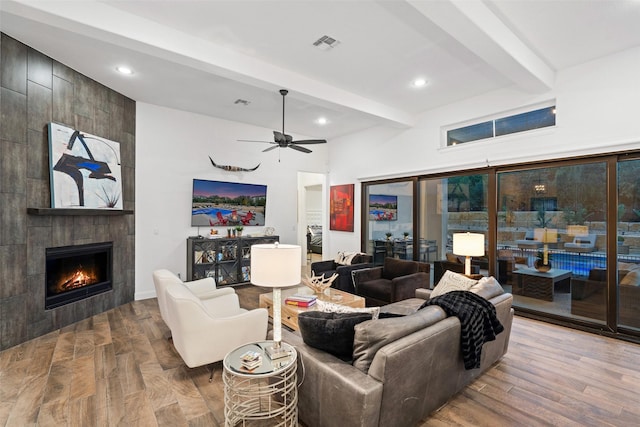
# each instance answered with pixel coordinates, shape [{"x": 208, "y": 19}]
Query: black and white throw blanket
[{"x": 478, "y": 319}]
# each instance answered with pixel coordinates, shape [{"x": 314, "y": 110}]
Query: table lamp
[
  {"x": 468, "y": 245},
  {"x": 276, "y": 266},
  {"x": 546, "y": 236}
]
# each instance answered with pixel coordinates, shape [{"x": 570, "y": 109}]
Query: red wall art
[{"x": 341, "y": 207}]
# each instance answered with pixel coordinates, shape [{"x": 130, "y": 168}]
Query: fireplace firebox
[{"x": 77, "y": 272}]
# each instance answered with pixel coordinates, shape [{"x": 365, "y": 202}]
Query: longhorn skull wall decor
[{"x": 232, "y": 168}]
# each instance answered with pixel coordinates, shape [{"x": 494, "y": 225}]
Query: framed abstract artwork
[
  {"x": 341, "y": 207},
  {"x": 85, "y": 170}
]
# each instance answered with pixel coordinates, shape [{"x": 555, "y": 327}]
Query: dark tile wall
[{"x": 36, "y": 90}]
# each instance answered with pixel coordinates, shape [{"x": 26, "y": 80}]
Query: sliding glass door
[
  {"x": 451, "y": 205},
  {"x": 628, "y": 243},
  {"x": 389, "y": 229},
  {"x": 562, "y": 236},
  {"x": 552, "y": 234}
]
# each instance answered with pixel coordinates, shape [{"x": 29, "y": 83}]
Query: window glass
[
  {"x": 628, "y": 246},
  {"x": 447, "y": 206},
  {"x": 389, "y": 225},
  {"x": 526, "y": 121},
  {"x": 470, "y": 133},
  {"x": 552, "y": 239}
]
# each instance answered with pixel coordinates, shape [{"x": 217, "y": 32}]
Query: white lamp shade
[
  {"x": 468, "y": 244},
  {"x": 275, "y": 265},
  {"x": 546, "y": 235},
  {"x": 578, "y": 230}
]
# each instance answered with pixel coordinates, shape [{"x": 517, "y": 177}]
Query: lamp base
[{"x": 276, "y": 351}]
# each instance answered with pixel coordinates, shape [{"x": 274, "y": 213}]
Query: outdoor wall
[
  {"x": 173, "y": 148},
  {"x": 597, "y": 104},
  {"x": 36, "y": 90}
]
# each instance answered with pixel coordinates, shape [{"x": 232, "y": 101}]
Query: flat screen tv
[
  {"x": 383, "y": 207},
  {"x": 219, "y": 203}
]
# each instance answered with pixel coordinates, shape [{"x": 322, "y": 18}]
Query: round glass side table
[{"x": 267, "y": 392}]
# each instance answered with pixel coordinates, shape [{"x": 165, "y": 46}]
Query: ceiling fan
[{"x": 282, "y": 140}]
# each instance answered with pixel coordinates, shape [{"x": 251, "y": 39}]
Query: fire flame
[{"x": 77, "y": 279}]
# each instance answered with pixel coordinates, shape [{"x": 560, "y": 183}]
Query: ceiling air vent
[
  {"x": 326, "y": 43},
  {"x": 242, "y": 102}
]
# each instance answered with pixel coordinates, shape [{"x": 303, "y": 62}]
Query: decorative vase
[{"x": 540, "y": 266}]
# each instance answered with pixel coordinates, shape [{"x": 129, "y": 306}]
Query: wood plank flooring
[{"x": 118, "y": 368}]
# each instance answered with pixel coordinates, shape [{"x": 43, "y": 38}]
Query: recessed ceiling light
[
  {"x": 124, "y": 70},
  {"x": 322, "y": 120},
  {"x": 419, "y": 82}
]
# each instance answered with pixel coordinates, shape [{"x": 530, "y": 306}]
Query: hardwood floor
[{"x": 118, "y": 368}]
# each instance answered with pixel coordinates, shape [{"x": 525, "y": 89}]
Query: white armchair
[
  {"x": 204, "y": 331},
  {"x": 202, "y": 288}
]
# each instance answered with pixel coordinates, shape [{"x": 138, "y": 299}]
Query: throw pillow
[
  {"x": 330, "y": 332},
  {"x": 345, "y": 258},
  {"x": 631, "y": 279},
  {"x": 451, "y": 281},
  {"x": 359, "y": 258},
  {"x": 452, "y": 258},
  {"x": 329, "y": 307},
  {"x": 487, "y": 288}
]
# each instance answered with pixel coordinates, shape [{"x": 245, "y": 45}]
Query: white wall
[
  {"x": 597, "y": 112},
  {"x": 310, "y": 191},
  {"x": 172, "y": 148}
]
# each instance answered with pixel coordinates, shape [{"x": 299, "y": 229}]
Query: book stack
[
  {"x": 301, "y": 300},
  {"x": 251, "y": 360}
]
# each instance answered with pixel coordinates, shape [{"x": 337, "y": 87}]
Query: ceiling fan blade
[
  {"x": 252, "y": 140},
  {"x": 270, "y": 148},
  {"x": 295, "y": 147},
  {"x": 310, "y": 141}
]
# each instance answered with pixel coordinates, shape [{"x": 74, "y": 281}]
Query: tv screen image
[
  {"x": 220, "y": 203},
  {"x": 383, "y": 207}
]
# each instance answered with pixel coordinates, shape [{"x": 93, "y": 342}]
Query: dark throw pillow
[{"x": 330, "y": 332}]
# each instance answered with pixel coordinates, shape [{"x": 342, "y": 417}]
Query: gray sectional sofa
[{"x": 403, "y": 369}]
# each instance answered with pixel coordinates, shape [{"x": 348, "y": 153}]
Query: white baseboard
[{"x": 144, "y": 295}]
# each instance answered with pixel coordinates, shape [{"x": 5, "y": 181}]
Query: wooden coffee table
[{"x": 290, "y": 312}]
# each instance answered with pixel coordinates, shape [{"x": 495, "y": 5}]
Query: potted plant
[
  {"x": 388, "y": 234},
  {"x": 406, "y": 235},
  {"x": 620, "y": 240},
  {"x": 239, "y": 230},
  {"x": 543, "y": 261}
]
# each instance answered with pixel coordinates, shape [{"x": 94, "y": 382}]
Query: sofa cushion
[
  {"x": 395, "y": 268},
  {"x": 451, "y": 281},
  {"x": 379, "y": 289},
  {"x": 330, "y": 332},
  {"x": 487, "y": 287},
  {"x": 371, "y": 336}
]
